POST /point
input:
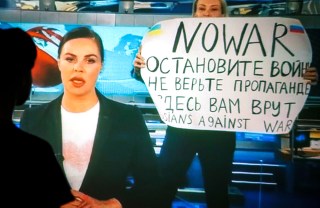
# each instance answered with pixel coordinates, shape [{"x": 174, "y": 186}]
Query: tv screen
[{"x": 121, "y": 45}]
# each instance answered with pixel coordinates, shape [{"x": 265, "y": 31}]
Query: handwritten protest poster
[{"x": 232, "y": 74}]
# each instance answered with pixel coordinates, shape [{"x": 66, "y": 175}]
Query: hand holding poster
[{"x": 232, "y": 74}]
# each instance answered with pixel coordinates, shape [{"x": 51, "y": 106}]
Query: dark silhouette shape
[{"x": 29, "y": 167}]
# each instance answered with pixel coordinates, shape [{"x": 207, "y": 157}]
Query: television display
[
  {"x": 121, "y": 45},
  {"x": 248, "y": 136}
]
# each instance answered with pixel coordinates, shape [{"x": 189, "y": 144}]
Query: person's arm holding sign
[
  {"x": 138, "y": 63},
  {"x": 311, "y": 75}
]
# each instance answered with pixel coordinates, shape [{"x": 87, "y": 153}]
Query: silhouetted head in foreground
[{"x": 17, "y": 60}]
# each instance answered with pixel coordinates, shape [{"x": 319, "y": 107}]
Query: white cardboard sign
[{"x": 231, "y": 74}]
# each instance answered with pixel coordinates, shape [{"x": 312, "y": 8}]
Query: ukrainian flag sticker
[{"x": 155, "y": 30}]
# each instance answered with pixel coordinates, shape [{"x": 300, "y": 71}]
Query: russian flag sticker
[{"x": 296, "y": 29}]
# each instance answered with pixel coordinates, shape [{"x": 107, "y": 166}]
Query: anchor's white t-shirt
[{"x": 78, "y": 132}]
